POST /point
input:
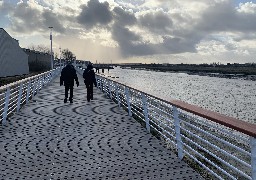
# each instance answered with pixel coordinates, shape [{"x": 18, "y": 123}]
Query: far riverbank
[{"x": 230, "y": 71}]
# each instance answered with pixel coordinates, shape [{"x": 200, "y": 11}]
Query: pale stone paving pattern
[{"x": 48, "y": 139}]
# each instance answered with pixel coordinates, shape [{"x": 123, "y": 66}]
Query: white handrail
[{"x": 13, "y": 95}]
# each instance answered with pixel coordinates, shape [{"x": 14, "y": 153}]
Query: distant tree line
[{"x": 38, "y": 66}]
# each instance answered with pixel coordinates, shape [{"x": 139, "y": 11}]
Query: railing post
[
  {"x": 47, "y": 78},
  {"x": 117, "y": 96},
  {"x": 34, "y": 87},
  {"x": 100, "y": 86},
  {"x": 109, "y": 88},
  {"x": 97, "y": 82},
  {"x": 177, "y": 132},
  {"x": 6, "y": 105},
  {"x": 128, "y": 101},
  {"x": 19, "y": 97},
  {"x": 105, "y": 84},
  {"x": 145, "y": 110},
  {"x": 40, "y": 83},
  {"x": 43, "y": 80},
  {"x": 253, "y": 157},
  {"x": 51, "y": 75},
  {"x": 28, "y": 91}
]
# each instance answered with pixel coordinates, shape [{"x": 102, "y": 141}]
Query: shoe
[
  {"x": 65, "y": 100},
  {"x": 71, "y": 100}
]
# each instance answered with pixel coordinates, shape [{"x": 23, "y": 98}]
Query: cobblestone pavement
[{"x": 48, "y": 139}]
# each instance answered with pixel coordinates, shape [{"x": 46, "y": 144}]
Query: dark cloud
[
  {"x": 175, "y": 45},
  {"x": 50, "y": 19},
  {"x": 25, "y": 19},
  {"x": 95, "y": 13},
  {"x": 128, "y": 41},
  {"x": 158, "y": 22},
  {"x": 124, "y": 17},
  {"x": 132, "y": 44},
  {"x": 225, "y": 17}
]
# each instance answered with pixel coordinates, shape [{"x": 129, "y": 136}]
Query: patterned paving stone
[{"x": 48, "y": 139}]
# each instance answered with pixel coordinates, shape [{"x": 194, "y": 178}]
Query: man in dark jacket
[
  {"x": 89, "y": 80},
  {"x": 68, "y": 75}
]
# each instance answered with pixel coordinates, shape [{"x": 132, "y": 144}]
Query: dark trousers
[
  {"x": 89, "y": 91},
  {"x": 67, "y": 88}
]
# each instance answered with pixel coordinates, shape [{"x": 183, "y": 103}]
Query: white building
[{"x": 13, "y": 60}]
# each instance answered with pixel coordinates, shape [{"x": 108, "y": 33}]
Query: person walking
[
  {"x": 68, "y": 75},
  {"x": 89, "y": 80}
]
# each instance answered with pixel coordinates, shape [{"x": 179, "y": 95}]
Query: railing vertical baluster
[
  {"x": 6, "y": 105},
  {"x": 34, "y": 87},
  {"x": 253, "y": 157},
  {"x": 47, "y": 78},
  {"x": 43, "y": 77},
  {"x": 106, "y": 84},
  {"x": 117, "y": 96},
  {"x": 52, "y": 75},
  {"x": 145, "y": 110},
  {"x": 109, "y": 88},
  {"x": 128, "y": 101},
  {"x": 28, "y": 91},
  {"x": 37, "y": 84},
  {"x": 177, "y": 132},
  {"x": 100, "y": 84},
  {"x": 96, "y": 81},
  {"x": 40, "y": 83},
  {"x": 19, "y": 97}
]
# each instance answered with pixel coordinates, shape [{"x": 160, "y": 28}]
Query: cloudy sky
[{"x": 148, "y": 31}]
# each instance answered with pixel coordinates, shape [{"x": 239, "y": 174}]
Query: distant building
[
  {"x": 13, "y": 60},
  {"x": 38, "y": 61}
]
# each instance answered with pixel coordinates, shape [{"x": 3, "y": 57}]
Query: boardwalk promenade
[{"x": 48, "y": 139}]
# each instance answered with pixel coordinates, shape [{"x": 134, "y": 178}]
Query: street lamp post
[
  {"x": 60, "y": 58},
  {"x": 51, "y": 47}
]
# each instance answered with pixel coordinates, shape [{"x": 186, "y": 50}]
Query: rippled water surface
[{"x": 232, "y": 97}]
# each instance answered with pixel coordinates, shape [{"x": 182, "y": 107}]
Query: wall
[
  {"x": 13, "y": 60},
  {"x": 38, "y": 61}
]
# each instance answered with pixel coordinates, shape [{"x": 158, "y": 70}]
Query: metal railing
[
  {"x": 14, "y": 95},
  {"x": 223, "y": 146}
]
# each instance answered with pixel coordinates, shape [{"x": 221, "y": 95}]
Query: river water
[{"x": 232, "y": 97}]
